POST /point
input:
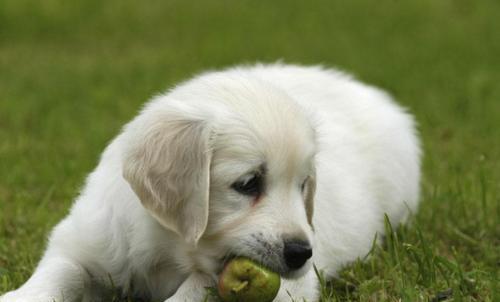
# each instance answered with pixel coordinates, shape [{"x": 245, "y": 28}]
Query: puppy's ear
[
  {"x": 310, "y": 190},
  {"x": 167, "y": 162}
]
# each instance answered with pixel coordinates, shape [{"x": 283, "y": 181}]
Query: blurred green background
[{"x": 73, "y": 72}]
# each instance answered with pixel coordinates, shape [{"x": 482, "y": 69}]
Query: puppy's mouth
[
  {"x": 269, "y": 254},
  {"x": 280, "y": 269},
  {"x": 224, "y": 262}
]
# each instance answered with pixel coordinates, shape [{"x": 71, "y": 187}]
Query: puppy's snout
[{"x": 296, "y": 253}]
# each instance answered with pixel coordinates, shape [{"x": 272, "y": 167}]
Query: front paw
[
  {"x": 208, "y": 297},
  {"x": 194, "y": 289},
  {"x": 16, "y": 296},
  {"x": 191, "y": 299}
]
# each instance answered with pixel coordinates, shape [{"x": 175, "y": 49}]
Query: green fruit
[{"x": 243, "y": 280}]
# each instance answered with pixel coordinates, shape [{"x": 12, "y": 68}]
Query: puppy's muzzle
[{"x": 296, "y": 253}]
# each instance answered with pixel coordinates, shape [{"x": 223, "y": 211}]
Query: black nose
[{"x": 296, "y": 253}]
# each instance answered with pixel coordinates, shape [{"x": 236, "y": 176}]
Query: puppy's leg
[
  {"x": 193, "y": 289},
  {"x": 302, "y": 289},
  {"x": 56, "y": 279}
]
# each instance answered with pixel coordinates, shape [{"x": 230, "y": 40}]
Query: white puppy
[{"x": 235, "y": 163}]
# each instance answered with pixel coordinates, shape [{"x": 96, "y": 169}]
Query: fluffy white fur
[{"x": 158, "y": 217}]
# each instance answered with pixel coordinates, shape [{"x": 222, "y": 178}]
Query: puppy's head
[{"x": 232, "y": 173}]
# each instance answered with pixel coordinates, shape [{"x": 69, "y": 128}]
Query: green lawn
[{"x": 73, "y": 72}]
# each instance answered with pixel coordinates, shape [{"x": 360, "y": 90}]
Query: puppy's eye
[{"x": 251, "y": 186}]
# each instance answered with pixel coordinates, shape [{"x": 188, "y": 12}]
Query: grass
[{"x": 73, "y": 72}]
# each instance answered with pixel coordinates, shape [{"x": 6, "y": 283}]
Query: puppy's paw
[
  {"x": 194, "y": 288},
  {"x": 16, "y": 296},
  {"x": 190, "y": 299}
]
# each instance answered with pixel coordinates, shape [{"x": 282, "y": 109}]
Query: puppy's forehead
[
  {"x": 266, "y": 128},
  {"x": 255, "y": 122}
]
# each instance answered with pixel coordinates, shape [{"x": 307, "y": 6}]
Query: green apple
[{"x": 243, "y": 280}]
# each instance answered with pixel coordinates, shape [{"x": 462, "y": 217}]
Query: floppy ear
[
  {"x": 310, "y": 190},
  {"x": 167, "y": 162}
]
